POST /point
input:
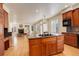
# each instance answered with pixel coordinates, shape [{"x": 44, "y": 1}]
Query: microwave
[{"x": 67, "y": 22}]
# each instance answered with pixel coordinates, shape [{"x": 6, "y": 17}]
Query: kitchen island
[{"x": 46, "y": 45}]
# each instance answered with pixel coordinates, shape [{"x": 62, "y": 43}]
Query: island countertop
[{"x": 40, "y": 37}]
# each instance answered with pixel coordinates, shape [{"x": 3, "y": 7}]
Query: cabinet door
[
  {"x": 1, "y": 5},
  {"x": 1, "y": 20},
  {"x": 1, "y": 47},
  {"x": 50, "y": 46},
  {"x": 1, "y": 25},
  {"x": 6, "y": 44},
  {"x": 69, "y": 14},
  {"x": 76, "y": 17},
  {"x": 35, "y": 50},
  {"x": 6, "y": 19},
  {"x": 64, "y": 16},
  {"x": 65, "y": 38},
  {"x": 73, "y": 40},
  {"x": 35, "y": 47},
  {"x": 1, "y": 35},
  {"x": 60, "y": 43}
]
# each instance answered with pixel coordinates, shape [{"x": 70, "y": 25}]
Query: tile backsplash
[{"x": 73, "y": 29}]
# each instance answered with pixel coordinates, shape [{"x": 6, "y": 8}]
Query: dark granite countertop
[
  {"x": 71, "y": 32},
  {"x": 35, "y": 37}
]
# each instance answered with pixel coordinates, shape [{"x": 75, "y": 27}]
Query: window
[
  {"x": 45, "y": 28},
  {"x": 55, "y": 25},
  {"x": 41, "y": 29}
]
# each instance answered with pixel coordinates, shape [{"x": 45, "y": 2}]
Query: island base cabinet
[
  {"x": 50, "y": 46},
  {"x": 35, "y": 47},
  {"x": 47, "y": 46},
  {"x": 35, "y": 50},
  {"x": 60, "y": 44},
  {"x": 50, "y": 49}
]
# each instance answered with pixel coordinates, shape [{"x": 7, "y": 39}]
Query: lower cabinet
[
  {"x": 6, "y": 44},
  {"x": 36, "y": 50},
  {"x": 35, "y": 47},
  {"x": 46, "y": 46},
  {"x": 1, "y": 47},
  {"x": 70, "y": 39},
  {"x": 60, "y": 44},
  {"x": 50, "y": 46}
]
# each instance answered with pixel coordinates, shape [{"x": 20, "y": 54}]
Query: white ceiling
[{"x": 28, "y": 13}]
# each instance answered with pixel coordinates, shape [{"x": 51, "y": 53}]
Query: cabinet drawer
[{"x": 35, "y": 41}]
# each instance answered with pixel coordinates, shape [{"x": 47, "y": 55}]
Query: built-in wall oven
[{"x": 67, "y": 22}]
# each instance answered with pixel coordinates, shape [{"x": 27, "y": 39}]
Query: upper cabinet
[
  {"x": 69, "y": 15},
  {"x": 1, "y": 20},
  {"x": 1, "y": 5},
  {"x": 73, "y": 16},
  {"x": 1, "y": 8},
  {"x": 64, "y": 16},
  {"x": 5, "y": 19},
  {"x": 67, "y": 18},
  {"x": 76, "y": 17}
]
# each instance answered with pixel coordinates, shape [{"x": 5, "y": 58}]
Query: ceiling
[{"x": 28, "y": 13}]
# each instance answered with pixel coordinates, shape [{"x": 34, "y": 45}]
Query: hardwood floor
[
  {"x": 69, "y": 51},
  {"x": 22, "y": 49}
]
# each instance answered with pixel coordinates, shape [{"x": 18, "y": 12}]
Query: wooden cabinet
[
  {"x": 6, "y": 43},
  {"x": 5, "y": 19},
  {"x": 35, "y": 47},
  {"x": 76, "y": 17},
  {"x": 1, "y": 35},
  {"x": 68, "y": 16},
  {"x": 1, "y": 20},
  {"x": 70, "y": 39},
  {"x": 1, "y": 6},
  {"x": 60, "y": 45},
  {"x": 50, "y": 46},
  {"x": 3, "y": 24},
  {"x": 46, "y": 46},
  {"x": 1, "y": 46},
  {"x": 73, "y": 40},
  {"x": 64, "y": 16},
  {"x": 73, "y": 15}
]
